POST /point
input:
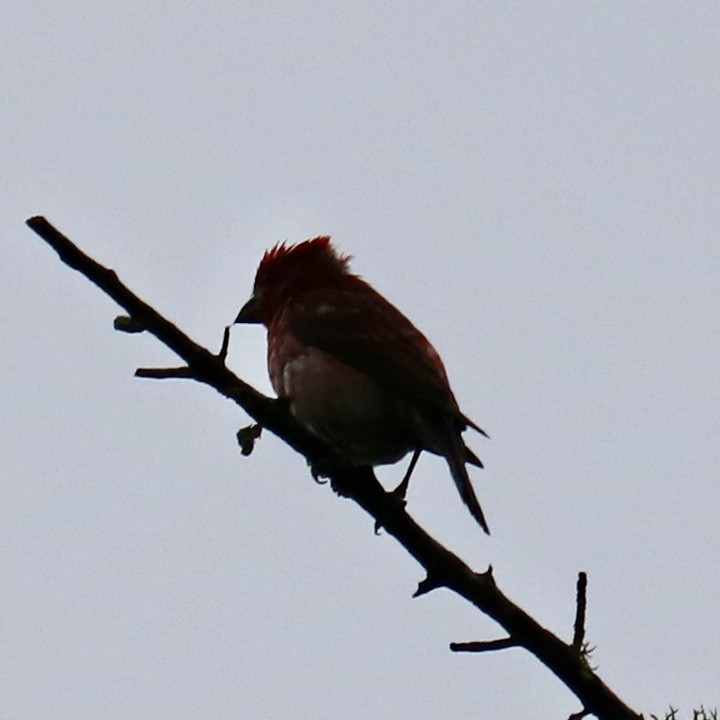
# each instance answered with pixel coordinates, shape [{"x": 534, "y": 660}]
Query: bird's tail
[
  {"x": 467, "y": 421},
  {"x": 456, "y": 459},
  {"x": 472, "y": 458}
]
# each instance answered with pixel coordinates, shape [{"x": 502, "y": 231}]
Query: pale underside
[{"x": 345, "y": 407}]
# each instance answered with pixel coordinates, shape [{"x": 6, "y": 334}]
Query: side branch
[
  {"x": 581, "y": 607},
  {"x": 443, "y": 568},
  {"x": 484, "y": 645},
  {"x": 164, "y": 373}
]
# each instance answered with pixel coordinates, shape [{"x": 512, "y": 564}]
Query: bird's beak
[{"x": 249, "y": 312}]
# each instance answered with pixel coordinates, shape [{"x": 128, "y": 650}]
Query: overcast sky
[{"x": 536, "y": 185}]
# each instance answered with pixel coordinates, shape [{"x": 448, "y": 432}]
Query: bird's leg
[
  {"x": 401, "y": 490},
  {"x": 398, "y": 494}
]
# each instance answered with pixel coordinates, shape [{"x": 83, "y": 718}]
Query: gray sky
[{"x": 536, "y": 185}]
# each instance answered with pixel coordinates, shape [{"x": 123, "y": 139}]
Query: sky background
[{"x": 536, "y": 185}]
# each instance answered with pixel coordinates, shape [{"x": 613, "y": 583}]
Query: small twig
[
  {"x": 484, "y": 645},
  {"x": 128, "y": 324},
  {"x": 222, "y": 355},
  {"x": 581, "y": 607},
  {"x": 164, "y": 373}
]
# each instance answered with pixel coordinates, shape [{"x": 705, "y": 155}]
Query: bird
[{"x": 353, "y": 369}]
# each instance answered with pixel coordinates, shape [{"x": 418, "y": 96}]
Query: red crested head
[
  {"x": 287, "y": 263},
  {"x": 286, "y": 270}
]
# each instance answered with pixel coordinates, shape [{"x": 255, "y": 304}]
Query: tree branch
[{"x": 443, "y": 568}]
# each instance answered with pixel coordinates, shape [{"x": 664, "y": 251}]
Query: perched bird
[{"x": 353, "y": 368}]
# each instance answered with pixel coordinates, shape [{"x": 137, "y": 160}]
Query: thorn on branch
[
  {"x": 484, "y": 645},
  {"x": 580, "y": 608},
  {"x": 586, "y": 651},
  {"x": 487, "y": 576},
  {"x": 247, "y": 436},
  {"x": 430, "y": 583},
  {"x": 580, "y": 715},
  {"x": 128, "y": 324}
]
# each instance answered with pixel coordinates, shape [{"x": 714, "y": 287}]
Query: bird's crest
[{"x": 316, "y": 254}]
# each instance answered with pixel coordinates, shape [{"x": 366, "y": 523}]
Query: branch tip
[
  {"x": 128, "y": 324},
  {"x": 484, "y": 645},
  {"x": 35, "y": 221}
]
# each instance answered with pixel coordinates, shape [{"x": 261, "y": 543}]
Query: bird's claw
[
  {"x": 317, "y": 475},
  {"x": 321, "y": 467}
]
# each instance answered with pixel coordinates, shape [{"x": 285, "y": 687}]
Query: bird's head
[{"x": 288, "y": 270}]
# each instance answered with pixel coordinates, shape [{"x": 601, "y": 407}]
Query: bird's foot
[
  {"x": 319, "y": 471},
  {"x": 397, "y": 495}
]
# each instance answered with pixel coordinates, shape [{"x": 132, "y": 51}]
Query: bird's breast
[{"x": 340, "y": 403}]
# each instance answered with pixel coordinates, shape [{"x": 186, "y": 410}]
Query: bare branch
[{"x": 443, "y": 567}]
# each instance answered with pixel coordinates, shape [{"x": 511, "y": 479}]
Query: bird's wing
[{"x": 358, "y": 326}]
